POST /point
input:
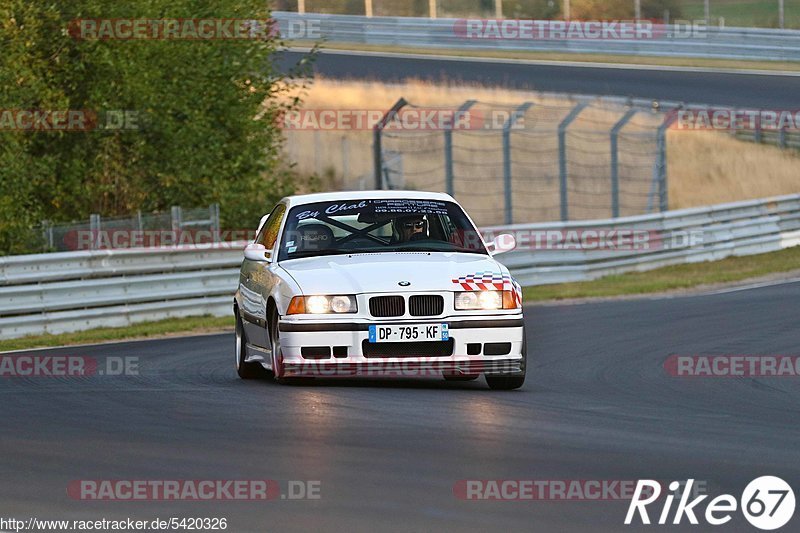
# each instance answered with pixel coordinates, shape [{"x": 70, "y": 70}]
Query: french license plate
[{"x": 409, "y": 333}]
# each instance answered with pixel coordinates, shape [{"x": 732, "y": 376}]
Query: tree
[{"x": 206, "y": 116}]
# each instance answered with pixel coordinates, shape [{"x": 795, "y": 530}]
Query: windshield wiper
[
  {"x": 436, "y": 250},
  {"x": 316, "y": 253}
]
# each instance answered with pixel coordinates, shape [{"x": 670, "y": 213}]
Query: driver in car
[{"x": 413, "y": 227}]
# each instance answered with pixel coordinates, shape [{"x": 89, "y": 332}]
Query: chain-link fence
[
  {"x": 541, "y": 160},
  {"x": 138, "y": 230},
  {"x": 550, "y": 158}
]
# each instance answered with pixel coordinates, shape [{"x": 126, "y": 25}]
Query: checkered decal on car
[{"x": 490, "y": 281}]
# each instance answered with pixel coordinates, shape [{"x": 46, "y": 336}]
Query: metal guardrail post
[
  {"x": 615, "y": 160},
  {"x": 377, "y": 145},
  {"x": 215, "y": 223},
  {"x": 782, "y": 138},
  {"x": 448, "y": 147},
  {"x": 177, "y": 218},
  {"x": 562, "y": 157},
  {"x": 94, "y": 229},
  {"x": 47, "y": 235},
  {"x": 509, "y": 200}
]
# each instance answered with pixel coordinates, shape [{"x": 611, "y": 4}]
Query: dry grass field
[{"x": 703, "y": 167}]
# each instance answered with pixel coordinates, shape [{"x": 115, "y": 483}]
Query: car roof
[{"x": 345, "y": 196}]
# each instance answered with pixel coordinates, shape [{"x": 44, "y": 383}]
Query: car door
[{"x": 258, "y": 278}]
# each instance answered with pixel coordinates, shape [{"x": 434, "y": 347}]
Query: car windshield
[{"x": 376, "y": 226}]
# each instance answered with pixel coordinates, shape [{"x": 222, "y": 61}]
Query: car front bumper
[{"x": 489, "y": 345}]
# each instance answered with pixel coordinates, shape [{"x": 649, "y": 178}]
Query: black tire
[
  {"x": 274, "y": 344},
  {"x": 245, "y": 370},
  {"x": 514, "y": 381}
]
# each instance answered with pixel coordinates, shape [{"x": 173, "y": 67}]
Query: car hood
[{"x": 370, "y": 273}]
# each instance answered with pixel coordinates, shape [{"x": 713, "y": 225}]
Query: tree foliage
[{"x": 206, "y": 114}]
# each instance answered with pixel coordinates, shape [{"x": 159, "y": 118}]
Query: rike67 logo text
[{"x": 767, "y": 503}]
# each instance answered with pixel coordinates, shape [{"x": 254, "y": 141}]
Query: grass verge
[
  {"x": 727, "y": 64},
  {"x": 143, "y": 330},
  {"x": 672, "y": 278}
]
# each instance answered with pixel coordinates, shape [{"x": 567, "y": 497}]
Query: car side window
[{"x": 269, "y": 233}]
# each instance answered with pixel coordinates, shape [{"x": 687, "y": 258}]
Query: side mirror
[
  {"x": 256, "y": 252},
  {"x": 503, "y": 243}
]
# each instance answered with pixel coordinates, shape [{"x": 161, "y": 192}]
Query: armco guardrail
[
  {"x": 73, "y": 291},
  {"x": 672, "y": 237},
  {"x": 426, "y": 33}
]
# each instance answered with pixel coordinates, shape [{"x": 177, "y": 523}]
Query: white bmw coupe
[{"x": 381, "y": 284}]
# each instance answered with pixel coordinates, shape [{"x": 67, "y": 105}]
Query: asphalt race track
[
  {"x": 598, "y": 405},
  {"x": 737, "y": 89}
]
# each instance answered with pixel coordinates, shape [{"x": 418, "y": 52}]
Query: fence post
[
  {"x": 215, "y": 224},
  {"x": 562, "y": 157},
  {"x": 377, "y": 148},
  {"x": 47, "y": 235},
  {"x": 94, "y": 229},
  {"x": 615, "y": 160},
  {"x": 448, "y": 147},
  {"x": 509, "y": 199},
  {"x": 177, "y": 219},
  {"x": 660, "y": 165},
  {"x": 782, "y": 137}
]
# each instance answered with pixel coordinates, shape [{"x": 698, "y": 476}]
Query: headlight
[
  {"x": 484, "y": 300},
  {"x": 322, "y": 305}
]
